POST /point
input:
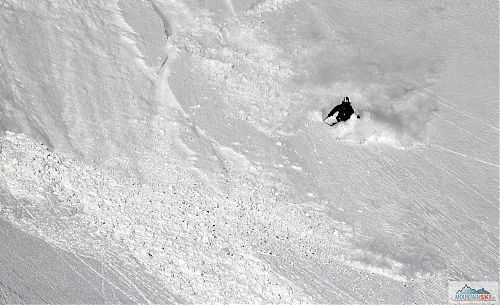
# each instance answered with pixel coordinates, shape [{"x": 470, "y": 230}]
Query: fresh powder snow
[{"x": 161, "y": 151}]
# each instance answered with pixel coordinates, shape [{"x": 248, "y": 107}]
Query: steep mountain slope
[{"x": 180, "y": 143}]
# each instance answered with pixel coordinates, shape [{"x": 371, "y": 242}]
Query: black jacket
[{"x": 344, "y": 111}]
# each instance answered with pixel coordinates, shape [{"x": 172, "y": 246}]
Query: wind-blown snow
[
  {"x": 181, "y": 143},
  {"x": 401, "y": 122}
]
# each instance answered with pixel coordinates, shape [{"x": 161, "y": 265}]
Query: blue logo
[{"x": 468, "y": 294}]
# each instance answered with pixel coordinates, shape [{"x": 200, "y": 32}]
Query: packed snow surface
[{"x": 174, "y": 151}]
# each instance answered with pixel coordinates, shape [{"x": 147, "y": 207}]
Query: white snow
[{"x": 174, "y": 151}]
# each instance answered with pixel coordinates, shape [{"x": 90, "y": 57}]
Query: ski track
[
  {"x": 451, "y": 105},
  {"x": 220, "y": 198},
  {"x": 72, "y": 182},
  {"x": 465, "y": 156}
]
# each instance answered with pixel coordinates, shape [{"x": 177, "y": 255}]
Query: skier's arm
[{"x": 335, "y": 109}]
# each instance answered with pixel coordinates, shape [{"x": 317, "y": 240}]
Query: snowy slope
[{"x": 180, "y": 143}]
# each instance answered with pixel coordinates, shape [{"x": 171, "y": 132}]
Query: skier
[{"x": 340, "y": 113}]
